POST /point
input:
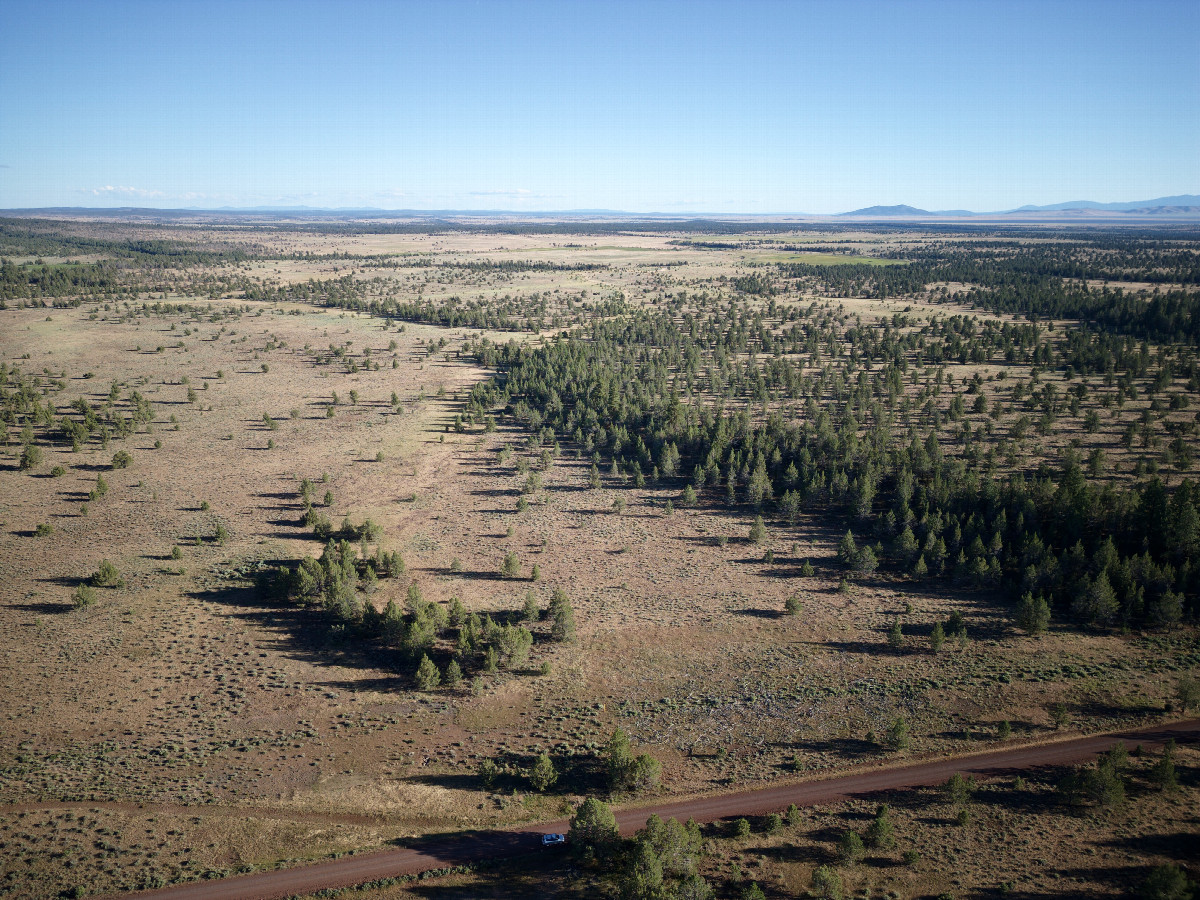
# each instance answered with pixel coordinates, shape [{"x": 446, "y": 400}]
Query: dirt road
[{"x": 461, "y": 848}]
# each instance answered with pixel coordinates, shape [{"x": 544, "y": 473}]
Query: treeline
[
  {"x": 1101, "y": 555},
  {"x": 511, "y": 266},
  {"x": 511, "y": 313},
  {"x": 1037, "y": 282},
  {"x": 32, "y": 282},
  {"x": 474, "y": 267},
  {"x": 23, "y": 237},
  {"x": 1094, "y": 257},
  {"x": 1172, "y": 317}
]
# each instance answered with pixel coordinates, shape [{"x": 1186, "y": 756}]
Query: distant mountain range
[
  {"x": 1181, "y": 205},
  {"x": 905, "y": 210},
  {"x": 1138, "y": 206}
]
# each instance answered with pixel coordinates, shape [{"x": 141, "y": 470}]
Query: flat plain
[{"x": 241, "y": 394}]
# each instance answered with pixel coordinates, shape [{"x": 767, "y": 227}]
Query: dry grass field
[{"x": 184, "y": 725}]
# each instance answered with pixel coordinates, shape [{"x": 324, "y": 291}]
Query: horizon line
[{"x": 1078, "y": 212}]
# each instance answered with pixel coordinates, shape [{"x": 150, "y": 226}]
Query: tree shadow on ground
[
  {"x": 1125, "y": 879},
  {"x": 846, "y": 747},
  {"x": 290, "y": 535},
  {"x": 872, "y": 648},
  {"x": 495, "y": 492},
  {"x": 1094, "y": 707},
  {"x": 46, "y": 607},
  {"x": 480, "y": 575},
  {"x": 1179, "y": 845},
  {"x": 807, "y": 852},
  {"x": 577, "y": 775},
  {"x": 309, "y": 634},
  {"x": 761, "y": 613},
  {"x": 313, "y": 635},
  {"x": 527, "y": 871},
  {"x": 64, "y": 580},
  {"x": 289, "y": 498},
  {"x": 566, "y": 488},
  {"x": 987, "y": 612}
]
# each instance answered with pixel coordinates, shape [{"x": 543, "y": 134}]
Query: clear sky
[{"x": 655, "y": 106}]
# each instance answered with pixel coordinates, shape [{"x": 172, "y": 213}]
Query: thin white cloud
[
  {"x": 110, "y": 190},
  {"x": 518, "y": 192}
]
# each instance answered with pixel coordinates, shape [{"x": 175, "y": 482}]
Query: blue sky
[{"x": 714, "y": 107}]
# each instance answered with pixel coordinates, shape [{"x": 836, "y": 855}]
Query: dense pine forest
[{"x": 750, "y": 395}]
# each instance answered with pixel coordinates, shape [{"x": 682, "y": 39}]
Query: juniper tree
[
  {"x": 84, "y": 596},
  {"x": 31, "y": 458},
  {"x": 511, "y": 566},
  {"x": 543, "y": 774},
  {"x": 937, "y": 637},
  {"x": 1162, "y": 774},
  {"x": 531, "y": 612},
  {"x": 107, "y": 575},
  {"x": 758, "y": 531},
  {"x": 1167, "y": 882},
  {"x": 1187, "y": 690},
  {"x": 1033, "y": 614},
  {"x": 593, "y": 829},
  {"x": 880, "y": 834},
  {"x": 790, "y": 506},
  {"x": 562, "y": 617},
  {"x": 618, "y": 759},
  {"x": 959, "y": 788},
  {"x": 827, "y": 883},
  {"x": 428, "y": 677},
  {"x": 644, "y": 774},
  {"x": 847, "y": 551},
  {"x": 896, "y": 737},
  {"x": 643, "y": 876},
  {"x": 850, "y": 847},
  {"x": 865, "y": 561}
]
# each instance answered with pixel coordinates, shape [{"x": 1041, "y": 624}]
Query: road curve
[{"x": 462, "y": 848}]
